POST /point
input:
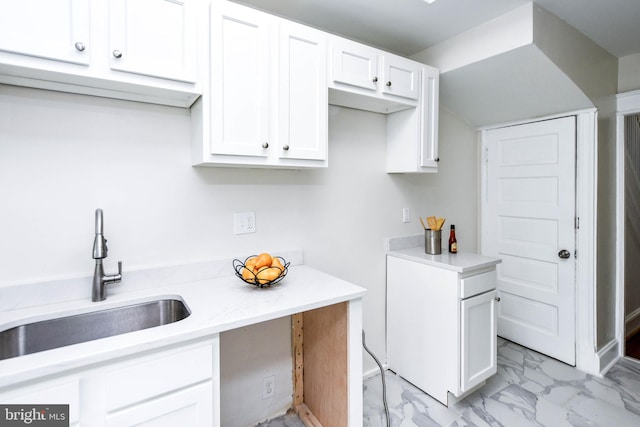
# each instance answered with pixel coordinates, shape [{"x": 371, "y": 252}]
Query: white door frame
[
  {"x": 587, "y": 358},
  {"x": 627, "y": 103}
]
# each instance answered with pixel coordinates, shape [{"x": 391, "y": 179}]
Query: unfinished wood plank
[
  {"x": 326, "y": 364},
  {"x": 306, "y": 416},
  {"x": 297, "y": 337}
]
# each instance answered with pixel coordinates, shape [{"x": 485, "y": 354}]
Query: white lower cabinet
[
  {"x": 60, "y": 391},
  {"x": 441, "y": 326},
  {"x": 176, "y": 386},
  {"x": 187, "y": 407}
]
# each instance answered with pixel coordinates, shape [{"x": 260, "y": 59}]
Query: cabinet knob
[
  {"x": 265, "y": 145},
  {"x": 375, "y": 80},
  {"x": 117, "y": 54},
  {"x": 80, "y": 46},
  {"x": 285, "y": 148},
  {"x": 497, "y": 299},
  {"x": 437, "y": 159},
  {"x": 389, "y": 84}
]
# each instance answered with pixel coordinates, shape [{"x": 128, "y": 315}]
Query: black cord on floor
[{"x": 384, "y": 383}]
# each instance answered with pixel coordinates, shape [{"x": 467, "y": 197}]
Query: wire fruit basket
[{"x": 265, "y": 277}]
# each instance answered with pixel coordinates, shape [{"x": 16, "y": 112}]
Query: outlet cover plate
[{"x": 244, "y": 222}]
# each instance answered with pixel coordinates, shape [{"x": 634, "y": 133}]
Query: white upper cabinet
[
  {"x": 142, "y": 50},
  {"x": 240, "y": 84},
  {"x": 52, "y": 29},
  {"x": 400, "y": 76},
  {"x": 303, "y": 93},
  {"x": 429, "y": 107},
  {"x": 154, "y": 37},
  {"x": 266, "y": 102},
  {"x": 369, "y": 79},
  {"x": 354, "y": 64},
  {"x": 412, "y": 135}
]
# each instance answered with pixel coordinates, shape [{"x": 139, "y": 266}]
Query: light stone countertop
[
  {"x": 412, "y": 248},
  {"x": 217, "y": 304}
]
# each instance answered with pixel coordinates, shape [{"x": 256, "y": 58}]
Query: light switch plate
[
  {"x": 244, "y": 222},
  {"x": 406, "y": 215}
]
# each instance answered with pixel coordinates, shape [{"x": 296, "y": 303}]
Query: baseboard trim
[
  {"x": 607, "y": 356},
  {"x": 632, "y": 323},
  {"x": 373, "y": 372}
]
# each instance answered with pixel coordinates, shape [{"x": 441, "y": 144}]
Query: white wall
[
  {"x": 629, "y": 73},
  {"x": 63, "y": 155}
]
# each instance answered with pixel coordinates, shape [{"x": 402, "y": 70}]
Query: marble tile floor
[{"x": 529, "y": 389}]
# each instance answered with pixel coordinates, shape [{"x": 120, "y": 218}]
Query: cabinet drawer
[
  {"x": 187, "y": 407},
  {"x": 151, "y": 376},
  {"x": 478, "y": 284}
]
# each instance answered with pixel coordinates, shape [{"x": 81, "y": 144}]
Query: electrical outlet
[
  {"x": 244, "y": 222},
  {"x": 268, "y": 387},
  {"x": 406, "y": 215}
]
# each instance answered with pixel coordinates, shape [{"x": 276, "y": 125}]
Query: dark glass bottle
[{"x": 453, "y": 243}]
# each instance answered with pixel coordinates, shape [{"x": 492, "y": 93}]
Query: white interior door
[{"x": 529, "y": 222}]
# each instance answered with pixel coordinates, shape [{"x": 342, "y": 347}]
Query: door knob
[{"x": 564, "y": 254}]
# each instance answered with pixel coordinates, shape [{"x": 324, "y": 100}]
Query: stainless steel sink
[{"x": 62, "y": 331}]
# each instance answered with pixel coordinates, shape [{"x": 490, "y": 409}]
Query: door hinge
[
  {"x": 577, "y": 223},
  {"x": 486, "y": 154},
  {"x": 575, "y": 254}
]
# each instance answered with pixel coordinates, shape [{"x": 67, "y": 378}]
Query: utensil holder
[{"x": 433, "y": 241}]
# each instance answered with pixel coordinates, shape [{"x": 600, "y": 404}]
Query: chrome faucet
[{"x": 100, "y": 280}]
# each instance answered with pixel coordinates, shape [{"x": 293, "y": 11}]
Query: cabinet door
[
  {"x": 429, "y": 104},
  {"x": 478, "y": 336},
  {"x": 354, "y": 64},
  {"x": 188, "y": 407},
  {"x": 154, "y": 37},
  {"x": 400, "y": 77},
  {"x": 240, "y": 80},
  {"x": 62, "y": 391},
  {"x": 52, "y": 29},
  {"x": 302, "y": 130}
]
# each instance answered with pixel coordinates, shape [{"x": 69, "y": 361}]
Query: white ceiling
[{"x": 410, "y": 26}]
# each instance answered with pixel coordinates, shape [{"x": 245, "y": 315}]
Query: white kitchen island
[
  {"x": 172, "y": 372},
  {"x": 441, "y": 318}
]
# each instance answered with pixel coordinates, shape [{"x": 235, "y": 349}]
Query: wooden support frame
[{"x": 321, "y": 365}]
